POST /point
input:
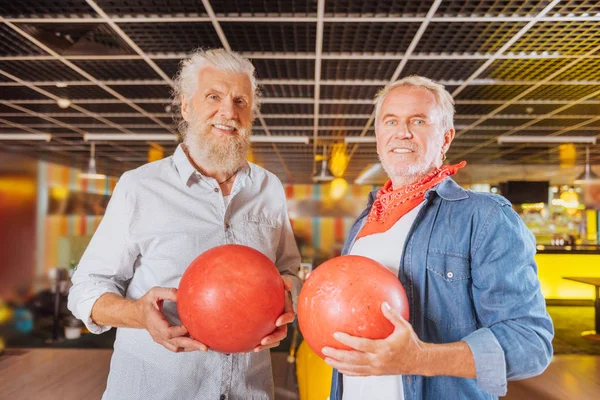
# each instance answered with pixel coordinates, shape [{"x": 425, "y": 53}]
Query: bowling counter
[{"x": 555, "y": 263}]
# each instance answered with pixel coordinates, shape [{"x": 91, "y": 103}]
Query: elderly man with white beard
[
  {"x": 161, "y": 216},
  {"x": 477, "y": 314}
]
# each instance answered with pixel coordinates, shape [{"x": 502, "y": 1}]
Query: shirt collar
[
  {"x": 449, "y": 190},
  {"x": 186, "y": 170},
  {"x": 183, "y": 165}
]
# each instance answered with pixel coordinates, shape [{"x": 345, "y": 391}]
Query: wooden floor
[
  {"x": 67, "y": 374},
  {"x": 568, "y": 377}
]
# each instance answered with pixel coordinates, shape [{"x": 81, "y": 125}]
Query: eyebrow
[
  {"x": 218, "y": 90},
  {"x": 419, "y": 115}
]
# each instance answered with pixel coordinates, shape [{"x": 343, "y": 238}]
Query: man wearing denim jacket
[{"x": 466, "y": 260}]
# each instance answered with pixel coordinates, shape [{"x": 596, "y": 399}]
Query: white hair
[
  {"x": 442, "y": 97},
  {"x": 186, "y": 82}
]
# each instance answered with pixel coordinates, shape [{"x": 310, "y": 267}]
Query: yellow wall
[{"x": 553, "y": 267}]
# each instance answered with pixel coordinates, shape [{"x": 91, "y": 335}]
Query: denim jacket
[{"x": 469, "y": 273}]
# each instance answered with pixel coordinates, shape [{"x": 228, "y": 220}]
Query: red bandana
[{"x": 391, "y": 205}]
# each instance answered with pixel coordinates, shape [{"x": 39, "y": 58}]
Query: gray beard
[{"x": 224, "y": 154}]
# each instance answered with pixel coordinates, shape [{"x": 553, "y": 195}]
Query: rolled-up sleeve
[
  {"x": 107, "y": 264},
  {"x": 515, "y": 341},
  {"x": 288, "y": 256}
]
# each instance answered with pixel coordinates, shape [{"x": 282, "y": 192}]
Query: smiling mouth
[
  {"x": 402, "y": 151},
  {"x": 224, "y": 127}
]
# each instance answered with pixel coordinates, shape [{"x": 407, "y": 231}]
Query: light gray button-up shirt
[{"x": 161, "y": 216}]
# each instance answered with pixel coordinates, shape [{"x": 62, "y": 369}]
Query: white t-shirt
[
  {"x": 226, "y": 200},
  {"x": 385, "y": 248}
]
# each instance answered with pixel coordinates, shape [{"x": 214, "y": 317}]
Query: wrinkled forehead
[
  {"x": 406, "y": 101},
  {"x": 211, "y": 77}
]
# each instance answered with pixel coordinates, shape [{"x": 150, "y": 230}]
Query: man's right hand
[{"x": 173, "y": 338}]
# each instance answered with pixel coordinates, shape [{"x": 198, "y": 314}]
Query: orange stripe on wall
[{"x": 339, "y": 229}]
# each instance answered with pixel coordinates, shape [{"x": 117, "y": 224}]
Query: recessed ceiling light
[
  {"x": 62, "y": 84},
  {"x": 63, "y": 103}
]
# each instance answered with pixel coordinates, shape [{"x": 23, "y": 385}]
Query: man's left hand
[
  {"x": 287, "y": 317},
  {"x": 401, "y": 353}
]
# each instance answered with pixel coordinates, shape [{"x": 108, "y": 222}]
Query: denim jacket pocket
[{"x": 448, "y": 300}]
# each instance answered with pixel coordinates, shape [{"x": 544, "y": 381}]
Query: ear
[
  {"x": 184, "y": 108},
  {"x": 448, "y": 138}
]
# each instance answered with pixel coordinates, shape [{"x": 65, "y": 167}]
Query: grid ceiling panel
[
  {"x": 329, "y": 109},
  {"x": 78, "y": 39},
  {"x": 42, "y": 108},
  {"x": 154, "y": 107},
  {"x": 79, "y": 92},
  {"x": 474, "y": 109},
  {"x": 525, "y": 70},
  {"x": 83, "y": 120},
  {"x": 158, "y": 129},
  {"x": 582, "y": 109},
  {"x": 13, "y": 44},
  {"x": 413, "y": 8},
  {"x": 442, "y": 69},
  {"x": 347, "y": 49},
  {"x": 26, "y": 119},
  {"x": 109, "y": 108},
  {"x": 133, "y": 121},
  {"x": 169, "y": 67},
  {"x": 368, "y": 37},
  {"x": 558, "y": 122},
  {"x": 272, "y": 108},
  {"x": 533, "y": 109},
  {"x": 593, "y": 132},
  {"x": 284, "y": 69},
  {"x": 19, "y": 93},
  {"x": 492, "y": 8},
  {"x": 342, "y": 122},
  {"x": 270, "y": 37},
  {"x": 139, "y": 7},
  {"x": 358, "y": 69},
  {"x": 40, "y": 70},
  {"x": 144, "y": 91},
  {"x": 7, "y": 109},
  {"x": 348, "y": 91},
  {"x": 577, "y": 7},
  {"x": 172, "y": 36},
  {"x": 34, "y": 8},
  {"x": 492, "y": 92},
  {"x": 297, "y": 91},
  {"x": 488, "y": 133},
  {"x": 370, "y": 132},
  {"x": 482, "y": 37},
  {"x": 118, "y": 69},
  {"x": 508, "y": 122},
  {"x": 587, "y": 69},
  {"x": 245, "y": 7},
  {"x": 562, "y": 92},
  {"x": 289, "y": 121},
  {"x": 560, "y": 37}
]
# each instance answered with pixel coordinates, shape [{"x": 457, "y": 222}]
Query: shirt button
[
  {"x": 449, "y": 274},
  {"x": 227, "y": 226},
  {"x": 216, "y": 190},
  {"x": 222, "y": 397}
]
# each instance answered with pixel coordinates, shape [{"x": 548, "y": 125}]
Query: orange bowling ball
[
  {"x": 345, "y": 294},
  {"x": 230, "y": 297}
]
